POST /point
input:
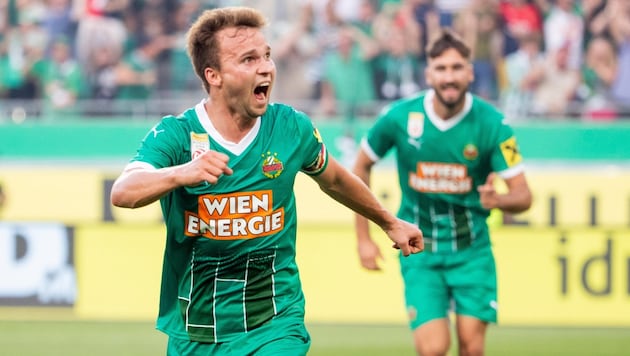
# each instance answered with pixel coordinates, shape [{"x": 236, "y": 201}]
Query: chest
[
  {"x": 463, "y": 143},
  {"x": 266, "y": 164}
]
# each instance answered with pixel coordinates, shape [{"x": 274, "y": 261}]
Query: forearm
[
  {"x": 140, "y": 187},
  {"x": 514, "y": 202},
  {"x": 349, "y": 190},
  {"x": 362, "y": 228},
  {"x": 363, "y": 170},
  {"x": 354, "y": 194}
]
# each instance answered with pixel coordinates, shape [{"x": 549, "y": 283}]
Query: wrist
[{"x": 389, "y": 222}]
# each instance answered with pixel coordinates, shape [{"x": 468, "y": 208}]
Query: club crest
[
  {"x": 272, "y": 167},
  {"x": 470, "y": 152}
]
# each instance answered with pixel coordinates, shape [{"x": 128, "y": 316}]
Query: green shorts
[
  {"x": 436, "y": 282},
  {"x": 278, "y": 337}
]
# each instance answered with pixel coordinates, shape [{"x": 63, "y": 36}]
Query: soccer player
[
  {"x": 224, "y": 172},
  {"x": 450, "y": 146}
]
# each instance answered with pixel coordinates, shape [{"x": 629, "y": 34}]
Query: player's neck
[
  {"x": 445, "y": 112},
  {"x": 229, "y": 124}
]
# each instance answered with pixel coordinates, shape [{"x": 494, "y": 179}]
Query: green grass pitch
[{"x": 69, "y": 338}]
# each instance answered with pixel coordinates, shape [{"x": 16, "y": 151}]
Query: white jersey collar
[
  {"x": 235, "y": 147},
  {"x": 438, "y": 122}
]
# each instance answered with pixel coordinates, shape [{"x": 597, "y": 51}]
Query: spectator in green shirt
[{"x": 60, "y": 80}]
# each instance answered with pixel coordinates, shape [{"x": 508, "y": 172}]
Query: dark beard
[{"x": 453, "y": 104}]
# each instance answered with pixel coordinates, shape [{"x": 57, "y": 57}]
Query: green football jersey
[
  {"x": 229, "y": 263},
  {"x": 440, "y": 163}
]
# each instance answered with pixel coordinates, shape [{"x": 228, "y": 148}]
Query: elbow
[
  {"x": 120, "y": 199},
  {"x": 119, "y": 203}
]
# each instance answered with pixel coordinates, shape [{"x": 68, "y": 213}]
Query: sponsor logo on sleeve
[{"x": 510, "y": 151}]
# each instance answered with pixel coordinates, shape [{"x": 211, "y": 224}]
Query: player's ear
[
  {"x": 471, "y": 72},
  {"x": 427, "y": 76},
  {"x": 212, "y": 76}
]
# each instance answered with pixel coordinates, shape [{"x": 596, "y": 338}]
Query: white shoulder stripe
[
  {"x": 369, "y": 151},
  {"x": 139, "y": 165},
  {"x": 512, "y": 172}
]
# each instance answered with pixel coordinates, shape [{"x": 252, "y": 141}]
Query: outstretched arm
[{"x": 348, "y": 189}]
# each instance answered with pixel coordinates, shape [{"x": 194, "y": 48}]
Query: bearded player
[{"x": 450, "y": 146}]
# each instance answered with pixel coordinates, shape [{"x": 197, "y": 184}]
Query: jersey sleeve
[
  {"x": 315, "y": 152},
  {"x": 160, "y": 146},
  {"x": 506, "y": 157},
  {"x": 379, "y": 138}
]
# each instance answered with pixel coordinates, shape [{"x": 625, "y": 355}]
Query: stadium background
[
  {"x": 69, "y": 258},
  {"x": 565, "y": 262},
  {"x": 66, "y": 253}
]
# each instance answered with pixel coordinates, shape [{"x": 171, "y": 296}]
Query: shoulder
[
  {"x": 405, "y": 105},
  {"x": 285, "y": 116},
  {"x": 173, "y": 128},
  {"x": 486, "y": 112},
  {"x": 279, "y": 110},
  {"x": 185, "y": 119},
  {"x": 490, "y": 122}
]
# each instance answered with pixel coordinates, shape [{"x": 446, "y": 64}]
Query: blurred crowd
[{"x": 543, "y": 59}]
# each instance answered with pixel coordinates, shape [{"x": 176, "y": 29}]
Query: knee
[
  {"x": 432, "y": 347},
  {"x": 471, "y": 348},
  {"x": 433, "y": 338}
]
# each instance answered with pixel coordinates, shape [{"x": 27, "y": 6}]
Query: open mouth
[
  {"x": 261, "y": 91},
  {"x": 450, "y": 86},
  {"x": 450, "y": 90}
]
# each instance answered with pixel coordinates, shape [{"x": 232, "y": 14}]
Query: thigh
[
  {"x": 426, "y": 293},
  {"x": 473, "y": 283}
]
